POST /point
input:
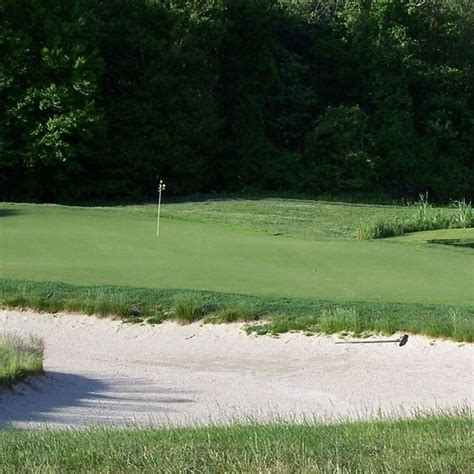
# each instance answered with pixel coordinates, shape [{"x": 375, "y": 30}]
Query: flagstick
[
  {"x": 158, "y": 218},
  {"x": 161, "y": 187}
]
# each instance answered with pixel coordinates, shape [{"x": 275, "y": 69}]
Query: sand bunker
[{"x": 100, "y": 371}]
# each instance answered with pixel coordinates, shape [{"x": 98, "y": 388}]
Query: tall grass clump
[
  {"x": 339, "y": 320},
  {"x": 104, "y": 303},
  {"x": 465, "y": 215},
  {"x": 19, "y": 358},
  {"x": 380, "y": 228},
  {"x": 96, "y": 301},
  {"x": 424, "y": 217},
  {"x": 423, "y": 209},
  {"x": 23, "y": 300},
  {"x": 383, "y": 325},
  {"x": 188, "y": 308},
  {"x": 329, "y": 321},
  {"x": 462, "y": 327}
]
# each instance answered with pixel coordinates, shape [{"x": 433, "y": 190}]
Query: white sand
[{"x": 100, "y": 371}]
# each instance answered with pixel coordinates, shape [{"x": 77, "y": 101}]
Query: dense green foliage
[
  {"x": 19, "y": 358},
  {"x": 97, "y": 98},
  {"x": 429, "y": 443}
]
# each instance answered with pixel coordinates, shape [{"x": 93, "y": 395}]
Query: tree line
[{"x": 99, "y": 97}]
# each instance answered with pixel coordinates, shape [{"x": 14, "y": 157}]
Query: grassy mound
[{"x": 431, "y": 443}]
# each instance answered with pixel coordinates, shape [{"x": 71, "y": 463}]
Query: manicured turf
[
  {"x": 436, "y": 443},
  {"x": 119, "y": 246}
]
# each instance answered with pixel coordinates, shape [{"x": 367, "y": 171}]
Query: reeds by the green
[{"x": 424, "y": 217}]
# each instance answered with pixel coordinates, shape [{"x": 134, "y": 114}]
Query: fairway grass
[
  {"x": 100, "y": 246},
  {"x": 429, "y": 443}
]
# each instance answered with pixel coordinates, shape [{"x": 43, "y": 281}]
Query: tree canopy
[{"x": 98, "y": 97}]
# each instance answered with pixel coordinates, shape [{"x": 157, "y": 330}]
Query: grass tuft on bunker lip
[
  {"x": 440, "y": 442},
  {"x": 19, "y": 358}
]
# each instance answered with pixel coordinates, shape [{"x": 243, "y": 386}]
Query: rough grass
[
  {"x": 428, "y": 443},
  {"x": 318, "y": 220},
  {"x": 19, "y": 358},
  {"x": 325, "y": 219},
  {"x": 263, "y": 315},
  {"x": 338, "y": 320},
  {"x": 188, "y": 308},
  {"x": 240, "y": 312},
  {"x": 423, "y": 217}
]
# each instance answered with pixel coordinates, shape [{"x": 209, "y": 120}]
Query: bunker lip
[{"x": 104, "y": 372}]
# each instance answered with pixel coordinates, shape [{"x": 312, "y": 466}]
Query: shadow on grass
[
  {"x": 9, "y": 212},
  {"x": 74, "y": 400},
  {"x": 466, "y": 243}
]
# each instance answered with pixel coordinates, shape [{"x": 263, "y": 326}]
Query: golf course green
[{"x": 119, "y": 246}]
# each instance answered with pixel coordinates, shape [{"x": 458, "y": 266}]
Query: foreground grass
[
  {"x": 119, "y": 247},
  {"x": 431, "y": 443},
  {"x": 19, "y": 358},
  {"x": 263, "y": 315}
]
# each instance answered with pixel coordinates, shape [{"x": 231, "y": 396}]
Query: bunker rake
[{"x": 401, "y": 341}]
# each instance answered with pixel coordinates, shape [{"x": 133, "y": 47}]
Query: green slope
[{"x": 116, "y": 246}]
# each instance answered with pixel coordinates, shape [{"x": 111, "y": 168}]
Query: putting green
[{"x": 113, "y": 246}]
